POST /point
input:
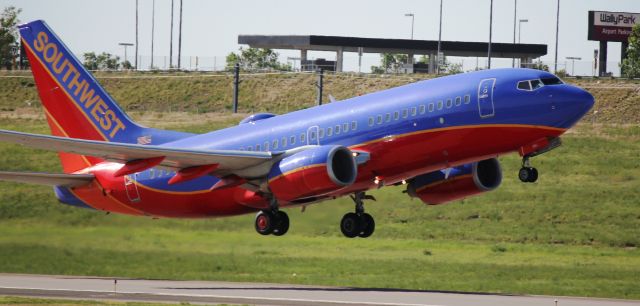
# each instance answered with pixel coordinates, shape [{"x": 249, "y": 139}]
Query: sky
[{"x": 211, "y": 28}]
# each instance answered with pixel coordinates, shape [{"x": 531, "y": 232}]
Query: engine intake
[
  {"x": 313, "y": 172},
  {"x": 437, "y": 187}
]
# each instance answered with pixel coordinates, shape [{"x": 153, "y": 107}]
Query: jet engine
[
  {"x": 455, "y": 183},
  {"x": 312, "y": 172}
]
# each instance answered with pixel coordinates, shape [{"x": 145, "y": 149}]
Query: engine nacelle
[
  {"x": 312, "y": 172},
  {"x": 462, "y": 181}
]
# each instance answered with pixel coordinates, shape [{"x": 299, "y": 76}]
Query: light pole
[
  {"x": 125, "y": 45},
  {"x": 555, "y": 67},
  {"x": 171, "y": 39},
  {"x": 573, "y": 63},
  {"x": 515, "y": 14},
  {"x": 153, "y": 25},
  {"x": 136, "y": 59},
  {"x": 490, "y": 32},
  {"x": 412, "y": 19},
  {"x": 520, "y": 31},
  {"x": 439, "y": 41}
]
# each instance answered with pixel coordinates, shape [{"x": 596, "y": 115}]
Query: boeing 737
[{"x": 440, "y": 137}]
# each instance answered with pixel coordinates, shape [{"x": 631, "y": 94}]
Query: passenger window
[
  {"x": 329, "y": 131},
  {"x": 387, "y": 117},
  {"x": 430, "y": 107},
  {"x": 524, "y": 85},
  {"x": 449, "y": 103},
  {"x": 535, "y": 84},
  {"x": 458, "y": 101},
  {"x": 422, "y": 109},
  {"x": 414, "y": 111},
  {"x": 467, "y": 99},
  {"x": 249, "y": 148},
  {"x": 337, "y": 131},
  {"x": 345, "y": 127},
  {"x": 257, "y": 147},
  {"x": 321, "y": 133},
  {"x": 354, "y": 125},
  {"x": 292, "y": 140},
  {"x": 274, "y": 144},
  {"x": 266, "y": 146},
  {"x": 302, "y": 138},
  {"x": 379, "y": 119},
  {"x": 370, "y": 121},
  {"x": 284, "y": 142},
  {"x": 440, "y": 105},
  {"x": 405, "y": 113},
  {"x": 396, "y": 115}
]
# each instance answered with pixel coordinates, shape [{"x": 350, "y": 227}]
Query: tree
[
  {"x": 390, "y": 63},
  {"x": 630, "y": 66},
  {"x": 256, "y": 58},
  {"x": 9, "y": 46},
  {"x": 103, "y": 61}
]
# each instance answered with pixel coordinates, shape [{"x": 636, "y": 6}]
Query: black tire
[
  {"x": 533, "y": 175},
  {"x": 350, "y": 225},
  {"x": 282, "y": 223},
  {"x": 524, "y": 174},
  {"x": 368, "y": 225},
  {"x": 264, "y": 222}
]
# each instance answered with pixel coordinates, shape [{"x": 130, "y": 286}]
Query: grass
[
  {"x": 575, "y": 232},
  {"x": 617, "y": 101}
]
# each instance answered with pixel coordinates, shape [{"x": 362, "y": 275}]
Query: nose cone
[{"x": 572, "y": 104}]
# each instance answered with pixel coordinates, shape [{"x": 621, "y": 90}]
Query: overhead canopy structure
[{"x": 341, "y": 44}]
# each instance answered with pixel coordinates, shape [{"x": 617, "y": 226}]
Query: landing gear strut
[
  {"x": 272, "y": 221},
  {"x": 358, "y": 223},
  {"x": 527, "y": 174}
]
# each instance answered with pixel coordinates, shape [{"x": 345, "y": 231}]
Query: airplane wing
[
  {"x": 65, "y": 180},
  {"x": 177, "y": 158}
]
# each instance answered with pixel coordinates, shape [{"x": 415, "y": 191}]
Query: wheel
[
  {"x": 281, "y": 223},
  {"x": 533, "y": 172},
  {"x": 368, "y": 225},
  {"x": 350, "y": 225},
  {"x": 524, "y": 174},
  {"x": 264, "y": 222}
]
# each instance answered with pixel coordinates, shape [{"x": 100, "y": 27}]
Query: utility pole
[
  {"x": 555, "y": 67},
  {"x": 439, "y": 41},
  {"x": 136, "y": 59},
  {"x": 412, "y": 20},
  {"x": 180, "y": 36},
  {"x": 236, "y": 86},
  {"x": 153, "y": 24},
  {"x": 171, "y": 39},
  {"x": 490, "y": 33},
  {"x": 515, "y": 14},
  {"x": 320, "y": 85}
]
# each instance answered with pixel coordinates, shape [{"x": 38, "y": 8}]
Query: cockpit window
[
  {"x": 524, "y": 85},
  {"x": 535, "y": 84},
  {"x": 552, "y": 81},
  {"x": 530, "y": 85}
]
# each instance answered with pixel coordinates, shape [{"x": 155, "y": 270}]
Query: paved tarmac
[{"x": 72, "y": 287}]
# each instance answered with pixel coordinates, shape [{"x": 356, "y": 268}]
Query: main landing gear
[
  {"x": 272, "y": 221},
  {"x": 358, "y": 224},
  {"x": 527, "y": 174}
]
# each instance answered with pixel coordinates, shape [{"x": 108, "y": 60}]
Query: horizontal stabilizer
[
  {"x": 177, "y": 158},
  {"x": 52, "y": 179}
]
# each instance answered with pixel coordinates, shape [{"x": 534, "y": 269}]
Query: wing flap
[
  {"x": 51, "y": 179},
  {"x": 228, "y": 160}
]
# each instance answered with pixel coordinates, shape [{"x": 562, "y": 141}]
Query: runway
[{"x": 72, "y": 287}]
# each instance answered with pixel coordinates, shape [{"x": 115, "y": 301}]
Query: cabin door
[{"x": 485, "y": 98}]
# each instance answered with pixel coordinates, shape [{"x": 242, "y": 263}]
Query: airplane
[{"x": 441, "y": 137}]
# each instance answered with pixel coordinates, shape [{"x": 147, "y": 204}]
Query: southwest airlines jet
[{"x": 440, "y": 137}]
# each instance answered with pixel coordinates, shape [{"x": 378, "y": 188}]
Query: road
[{"x": 73, "y": 287}]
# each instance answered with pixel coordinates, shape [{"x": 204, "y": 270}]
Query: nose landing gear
[
  {"x": 359, "y": 223},
  {"x": 527, "y": 174}
]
